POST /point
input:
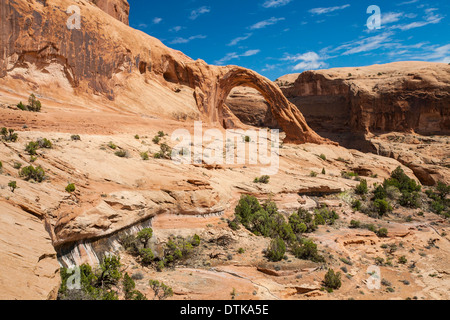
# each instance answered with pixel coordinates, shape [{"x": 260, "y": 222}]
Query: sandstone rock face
[
  {"x": 251, "y": 108},
  {"x": 30, "y": 270},
  {"x": 119, "y": 9},
  {"x": 401, "y": 96},
  {"x": 133, "y": 70}
]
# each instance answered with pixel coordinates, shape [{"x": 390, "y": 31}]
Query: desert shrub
[
  {"x": 401, "y": 181},
  {"x": 302, "y": 219},
  {"x": 382, "y": 232},
  {"x": 323, "y": 157},
  {"x": 348, "y": 175},
  {"x": 356, "y": 205},
  {"x": 165, "y": 152},
  {"x": 247, "y": 139},
  {"x": 402, "y": 260},
  {"x": 32, "y": 147},
  {"x": 313, "y": 174},
  {"x": 410, "y": 199},
  {"x": 111, "y": 145},
  {"x": 276, "y": 250},
  {"x": 362, "y": 187},
  {"x": 96, "y": 284},
  {"x": 156, "y": 140},
  {"x": 8, "y": 135},
  {"x": 12, "y": 185},
  {"x": 145, "y": 156},
  {"x": 122, "y": 153},
  {"x": 70, "y": 188},
  {"x": 1, "y": 166},
  {"x": 147, "y": 256},
  {"x": 332, "y": 280},
  {"x": 325, "y": 216},
  {"x": 160, "y": 290},
  {"x": 323, "y": 171},
  {"x": 31, "y": 173},
  {"x": 306, "y": 250},
  {"x": 382, "y": 207},
  {"x": 355, "y": 224},
  {"x": 75, "y": 137},
  {"x": 34, "y": 104},
  {"x": 21, "y": 106},
  {"x": 44, "y": 143},
  {"x": 379, "y": 193},
  {"x": 264, "y": 179},
  {"x": 144, "y": 236},
  {"x": 161, "y": 134}
]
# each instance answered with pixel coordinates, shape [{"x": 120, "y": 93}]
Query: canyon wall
[{"x": 401, "y": 96}]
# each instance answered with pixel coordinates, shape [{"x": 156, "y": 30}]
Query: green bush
[
  {"x": 122, "y": 153},
  {"x": 44, "y": 143},
  {"x": 165, "y": 152},
  {"x": 382, "y": 232},
  {"x": 31, "y": 148},
  {"x": 276, "y": 250},
  {"x": 12, "y": 185},
  {"x": 144, "y": 156},
  {"x": 332, "y": 280},
  {"x": 160, "y": 290},
  {"x": 362, "y": 187},
  {"x": 382, "y": 206},
  {"x": 355, "y": 224},
  {"x": 34, "y": 104},
  {"x": 356, "y": 205},
  {"x": 145, "y": 235},
  {"x": 9, "y": 135},
  {"x": 306, "y": 250},
  {"x": 263, "y": 179},
  {"x": 70, "y": 188},
  {"x": 31, "y": 173},
  {"x": 323, "y": 157},
  {"x": 75, "y": 137}
]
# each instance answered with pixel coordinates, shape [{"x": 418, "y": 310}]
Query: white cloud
[
  {"x": 391, "y": 17},
  {"x": 234, "y": 55},
  {"x": 328, "y": 10},
  {"x": 142, "y": 25},
  {"x": 239, "y": 39},
  {"x": 407, "y": 2},
  {"x": 309, "y": 61},
  {"x": 176, "y": 29},
  {"x": 275, "y": 3},
  {"x": 366, "y": 44},
  {"x": 430, "y": 18},
  {"x": 157, "y": 20},
  {"x": 265, "y": 23},
  {"x": 198, "y": 12},
  {"x": 184, "y": 40}
]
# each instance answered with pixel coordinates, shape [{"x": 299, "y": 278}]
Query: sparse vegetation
[
  {"x": 9, "y": 135},
  {"x": 33, "y": 104},
  {"x": 264, "y": 179},
  {"x": 332, "y": 280},
  {"x": 31, "y": 173},
  {"x": 70, "y": 188},
  {"x": 12, "y": 186}
]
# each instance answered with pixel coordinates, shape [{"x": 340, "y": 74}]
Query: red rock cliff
[{"x": 401, "y": 96}]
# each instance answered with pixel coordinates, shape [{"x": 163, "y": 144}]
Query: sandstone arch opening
[{"x": 251, "y": 108}]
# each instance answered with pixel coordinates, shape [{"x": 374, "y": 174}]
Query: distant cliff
[{"x": 401, "y": 96}]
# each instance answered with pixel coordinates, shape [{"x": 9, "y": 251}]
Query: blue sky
[{"x": 277, "y": 37}]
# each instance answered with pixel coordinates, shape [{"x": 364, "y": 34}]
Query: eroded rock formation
[
  {"x": 119, "y": 9},
  {"x": 110, "y": 59},
  {"x": 401, "y": 96}
]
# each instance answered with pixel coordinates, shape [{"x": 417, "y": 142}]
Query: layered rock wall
[{"x": 402, "y": 97}]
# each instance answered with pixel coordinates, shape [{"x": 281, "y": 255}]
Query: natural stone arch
[{"x": 288, "y": 116}]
